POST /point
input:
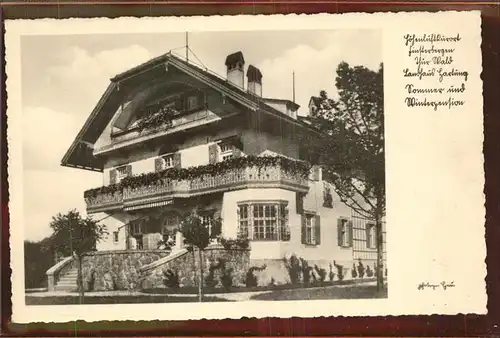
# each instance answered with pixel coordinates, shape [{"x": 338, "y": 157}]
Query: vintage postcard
[{"x": 220, "y": 167}]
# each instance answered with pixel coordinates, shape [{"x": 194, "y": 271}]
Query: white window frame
[
  {"x": 244, "y": 220},
  {"x": 310, "y": 229},
  {"x": 167, "y": 161},
  {"x": 263, "y": 220},
  {"x": 115, "y": 236},
  {"x": 192, "y": 102},
  {"x": 207, "y": 218},
  {"x": 226, "y": 151},
  {"x": 345, "y": 233},
  {"x": 121, "y": 173},
  {"x": 373, "y": 233}
]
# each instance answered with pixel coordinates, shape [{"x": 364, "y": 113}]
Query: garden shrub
[
  {"x": 235, "y": 244},
  {"x": 361, "y": 269},
  {"x": 91, "y": 280},
  {"x": 294, "y": 269},
  {"x": 306, "y": 271},
  {"x": 250, "y": 279},
  {"x": 171, "y": 279},
  {"x": 321, "y": 273},
  {"x": 210, "y": 280},
  {"x": 226, "y": 277},
  {"x": 369, "y": 271},
  {"x": 331, "y": 275},
  {"x": 354, "y": 271},
  {"x": 340, "y": 271}
]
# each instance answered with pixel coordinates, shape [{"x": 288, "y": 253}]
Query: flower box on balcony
[{"x": 237, "y": 173}]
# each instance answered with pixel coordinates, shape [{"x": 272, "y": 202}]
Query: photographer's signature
[{"x": 442, "y": 285}]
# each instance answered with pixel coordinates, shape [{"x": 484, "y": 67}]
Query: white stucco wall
[
  {"x": 113, "y": 224},
  {"x": 195, "y": 156}
]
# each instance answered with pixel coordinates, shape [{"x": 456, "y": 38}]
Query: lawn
[
  {"x": 349, "y": 292},
  {"x": 70, "y": 300},
  {"x": 235, "y": 289}
]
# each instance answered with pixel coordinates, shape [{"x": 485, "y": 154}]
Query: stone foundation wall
[
  {"x": 116, "y": 270},
  {"x": 187, "y": 267}
]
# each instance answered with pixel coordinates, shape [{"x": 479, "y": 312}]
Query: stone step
[
  {"x": 71, "y": 273},
  {"x": 70, "y": 277},
  {"x": 67, "y": 283},
  {"x": 65, "y": 288}
]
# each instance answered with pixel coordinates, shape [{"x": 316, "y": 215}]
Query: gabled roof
[
  {"x": 80, "y": 153},
  {"x": 288, "y": 103},
  {"x": 315, "y": 100}
]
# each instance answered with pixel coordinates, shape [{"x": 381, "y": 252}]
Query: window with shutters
[
  {"x": 136, "y": 228},
  {"x": 344, "y": 233},
  {"x": 310, "y": 229},
  {"x": 168, "y": 161},
  {"x": 115, "y": 236},
  {"x": 226, "y": 151},
  {"x": 192, "y": 102},
  {"x": 121, "y": 173},
  {"x": 371, "y": 236},
  {"x": 263, "y": 221}
]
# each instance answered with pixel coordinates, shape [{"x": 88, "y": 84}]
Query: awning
[{"x": 149, "y": 205}]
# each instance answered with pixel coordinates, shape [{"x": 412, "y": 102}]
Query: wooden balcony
[
  {"x": 105, "y": 201},
  {"x": 163, "y": 191}
]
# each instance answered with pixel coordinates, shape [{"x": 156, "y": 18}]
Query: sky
[{"x": 63, "y": 77}]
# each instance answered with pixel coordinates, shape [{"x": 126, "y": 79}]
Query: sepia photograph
[
  {"x": 186, "y": 168},
  {"x": 203, "y": 167}
]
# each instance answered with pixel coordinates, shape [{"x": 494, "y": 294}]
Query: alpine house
[{"x": 170, "y": 137}]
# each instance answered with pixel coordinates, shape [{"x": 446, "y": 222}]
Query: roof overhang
[{"x": 80, "y": 153}]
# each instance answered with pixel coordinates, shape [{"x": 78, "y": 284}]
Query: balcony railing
[
  {"x": 165, "y": 189},
  {"x": 104, "y": 201}
]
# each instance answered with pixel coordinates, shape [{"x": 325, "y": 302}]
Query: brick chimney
[
  {"x": 235, "y": 64},
  {"x": 254, "y": 77}
]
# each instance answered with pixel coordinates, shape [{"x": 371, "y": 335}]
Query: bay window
[{"x": 263, "y": 221}]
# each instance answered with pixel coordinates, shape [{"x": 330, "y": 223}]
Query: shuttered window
[
  {"x": 344, "y": 228},
  {"x": 118, "y": 174},
  {"x": 311, "y": 228},
  {"x": 371, "y": 236}
]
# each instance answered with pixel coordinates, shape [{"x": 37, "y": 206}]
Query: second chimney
[{"x": 254, "y": 77}]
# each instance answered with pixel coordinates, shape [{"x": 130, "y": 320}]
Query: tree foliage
[
  {"x": 36, "y": 263},
  {"x": 351, "y": 142},
  {"x": 74, "y": 234},
  {"x": 197, "y": 234}
]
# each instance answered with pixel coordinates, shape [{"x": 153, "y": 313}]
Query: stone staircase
[{"x": 68, "y": 282}]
